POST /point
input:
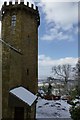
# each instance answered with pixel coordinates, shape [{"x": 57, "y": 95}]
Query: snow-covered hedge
[{"x": 75, "y": 111}]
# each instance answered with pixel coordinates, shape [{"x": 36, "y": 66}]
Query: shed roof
[{"x": 24, "y": 95}]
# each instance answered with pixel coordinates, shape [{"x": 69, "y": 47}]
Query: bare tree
[{"x": 63, "y": 72}]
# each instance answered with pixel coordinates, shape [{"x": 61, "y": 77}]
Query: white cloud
[
  {"x": 46, "y": 63},
  {"x": 57, "y": 34},
  {"x": 48, "y": 1},
  {"x": 63, "y": 15}
]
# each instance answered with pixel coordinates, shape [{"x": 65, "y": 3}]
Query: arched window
[{"x": 13, "y": 20}]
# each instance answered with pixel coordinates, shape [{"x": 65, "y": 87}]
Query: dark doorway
[{"x": 19, "y": 113}]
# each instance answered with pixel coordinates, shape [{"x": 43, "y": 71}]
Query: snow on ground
[{"x": 52, "y": 109}]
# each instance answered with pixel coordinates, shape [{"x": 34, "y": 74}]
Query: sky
[{"x": 57, "y": 34}]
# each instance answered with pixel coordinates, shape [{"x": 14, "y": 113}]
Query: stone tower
[{"x": 20, "y": 54}]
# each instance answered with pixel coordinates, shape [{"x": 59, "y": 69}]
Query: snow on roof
[{"x": 25, "y": 95}]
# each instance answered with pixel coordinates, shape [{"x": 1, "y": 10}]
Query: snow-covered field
[{"x": 52, "y": 109}]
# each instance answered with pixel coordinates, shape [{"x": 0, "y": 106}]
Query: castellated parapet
[{"x": 6, "y": 7}]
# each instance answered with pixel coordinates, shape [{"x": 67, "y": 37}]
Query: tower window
[
  {"x": 36, "y": 72},
  {"x": 27, "y": 71},
  {"x": 13, "y": 20}
]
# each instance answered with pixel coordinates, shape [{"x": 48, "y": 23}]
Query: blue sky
[{"x": 58, "y": 34}]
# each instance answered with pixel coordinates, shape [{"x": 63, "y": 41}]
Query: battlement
[
  {"x": 21, "y": 6},
  {"x": 21, "y": 3}
]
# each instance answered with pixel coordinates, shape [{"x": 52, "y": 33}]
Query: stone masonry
[{"x": 21, "y": 32}]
